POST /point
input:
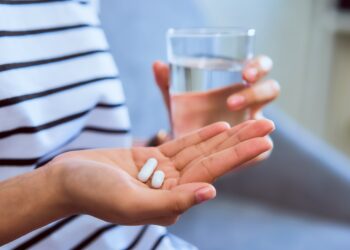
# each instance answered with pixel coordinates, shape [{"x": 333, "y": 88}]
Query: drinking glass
[{"x": 206, "y": 68}]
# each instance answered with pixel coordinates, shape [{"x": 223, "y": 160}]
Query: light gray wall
[
  {"x": 136, "y": 32},
  {"x": 309, "y": 43},
  {"x": 283, "y": 33}
]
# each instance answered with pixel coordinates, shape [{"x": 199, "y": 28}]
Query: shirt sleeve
[{"x": 96, "y": 4}]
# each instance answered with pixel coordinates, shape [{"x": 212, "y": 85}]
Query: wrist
[{"x": 56, "y": 174}]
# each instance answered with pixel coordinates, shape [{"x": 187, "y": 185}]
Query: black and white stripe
[
  {"x": 44, "y": 234},
  {"x": 158, "y": 241},
  {"x": 92, "y": 237},
  {"x": 22, "y": 98},
  {"x": 65, "y": 73},
  {"x": 63, "y": 230},
  {"x": 96, "y": 235},
  {"x": 39, "y": 62},
  {"x": 81, "y": 105},
  {"x": 17, "y": 33},
  {"x": 43, "y": 14},
  {"x": 24, "y": 51},
  {"x": 63, "y": 128},
  {"x": 60, "y": 91}
]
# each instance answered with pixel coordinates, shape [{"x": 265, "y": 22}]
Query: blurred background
[
  {"x": 300, "y": 197},
  {"x": 309, "y": 41}
]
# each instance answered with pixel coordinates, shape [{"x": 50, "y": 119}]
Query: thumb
[
  {"x": 194, "y": 193},
  {"x": 161, "y": 75},
  {"x": 177, "y": 200}
]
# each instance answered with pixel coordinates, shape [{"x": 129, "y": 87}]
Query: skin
[
  {"x": 103, "y": 183},
  {"x": 253, "y": 98}
]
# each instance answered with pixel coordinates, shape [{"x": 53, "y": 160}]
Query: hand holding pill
[{"x": 154, "y": 185}]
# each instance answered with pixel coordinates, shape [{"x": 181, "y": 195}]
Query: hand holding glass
[{"x": 206, "y": 67}]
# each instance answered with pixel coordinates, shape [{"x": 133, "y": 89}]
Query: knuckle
[
  {"x": 178, "y": 209},
  {"x": 236, "y": 154},
  {"x": 199, "y": 148},
  {"x": 206, "y": 166},
  {"x": 240, "y": 137},
  {"x": 253, "y": 94},
  {"x": 179, "y": 206}
]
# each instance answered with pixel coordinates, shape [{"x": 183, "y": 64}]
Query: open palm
[
  {"x": 201, "y": 156},
  {"x": 104, "y": 183}
]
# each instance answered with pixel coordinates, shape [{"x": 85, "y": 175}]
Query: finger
[
  {"x": 151, "y": 203},
  {"x": 170, "y": 182},
  {"x": 216, "y": 165},
  {"x": 266, "y": 154},
  {"x": 173, "y": 147},
  {"x": 257, "y": 68},
  {"x": 260, "y": 157},
  {"x": 161, "y": 75},
  {"x": 189, "y": 154},
  {"x": 259, "y": 128},
  {"x": 261, "y": 93},
  {"x": 254, "y": 129}
]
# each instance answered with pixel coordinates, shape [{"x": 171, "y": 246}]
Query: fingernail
[
  {"x": 269, "y": 89},
  {"x": 251, "y": 73},
  {"x": 273, "y": 126},
  {"x": 266, "y": 63},
  {"x": 205, "y": 194},
  {"x": 236, "y": 100}
]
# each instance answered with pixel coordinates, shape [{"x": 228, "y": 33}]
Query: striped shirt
[{"x": 60, "y": 91}]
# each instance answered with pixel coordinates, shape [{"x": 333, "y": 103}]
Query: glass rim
[{"x": 210, "y": 32}]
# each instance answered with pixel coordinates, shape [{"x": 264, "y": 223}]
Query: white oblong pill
[
  {"x": 158, "y": 179},
  {"x": 147, "y": 169}
]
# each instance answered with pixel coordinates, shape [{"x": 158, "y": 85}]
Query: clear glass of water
[{"x": 206, "y": 68}]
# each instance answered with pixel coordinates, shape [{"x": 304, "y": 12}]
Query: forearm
[{"x": 29, "y": 201}]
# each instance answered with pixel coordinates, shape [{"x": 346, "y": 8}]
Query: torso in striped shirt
[{"x": 60, "y": 91}]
